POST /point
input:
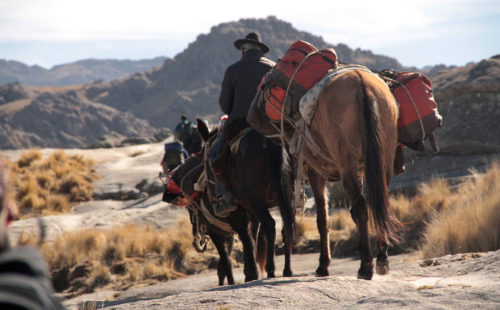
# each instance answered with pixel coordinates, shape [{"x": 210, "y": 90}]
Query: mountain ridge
[{"x": 78, "y": 72}]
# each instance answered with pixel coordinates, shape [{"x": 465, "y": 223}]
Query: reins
[{"x": 191, "y": 200}]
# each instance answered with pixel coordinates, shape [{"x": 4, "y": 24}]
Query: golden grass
[
  {"x": 49, "y": 186},
  {"x": 439, "y": 220},
  {"x": 431, "y": 197},
  {"x": 341, "y": 220},
  {"x": 120, "y": 258},
  {"x": 471, "y": 221},
  {"x": 123, "y": 257},
  {"x": 306, "y": 228}
]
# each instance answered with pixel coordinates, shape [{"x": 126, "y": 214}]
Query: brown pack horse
[{"x": 355, "y": 127}]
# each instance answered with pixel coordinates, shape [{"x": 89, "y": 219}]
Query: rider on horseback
[{"x": 238, "y": 90}]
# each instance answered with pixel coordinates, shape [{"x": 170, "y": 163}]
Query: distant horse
[
  {"x": 257, "y": 185},
  {"x": 353, "y": 135}
]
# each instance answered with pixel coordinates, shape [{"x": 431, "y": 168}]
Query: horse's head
[{"x": 180, "y": 182}]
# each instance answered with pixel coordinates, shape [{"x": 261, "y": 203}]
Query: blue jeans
[{"x": 215, "y": 149}]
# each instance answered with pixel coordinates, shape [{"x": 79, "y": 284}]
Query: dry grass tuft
[
  {"x": 49, "y": 186},
  {"x": 28, "y": 158},
  {"x": 306, "y": 228},
  {"x": 471, "y": 220},
  {"x": 125, "y": 256},
  {"x": 341, "y": 220},
  {"x": 439, "y": 220}
]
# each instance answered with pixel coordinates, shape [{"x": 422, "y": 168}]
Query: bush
[
  {"x": 50, "y": 186},
  {"x": 470, "y": 223},
  {"x": 125, "y": 256}
]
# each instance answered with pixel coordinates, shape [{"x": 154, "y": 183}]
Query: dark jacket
[
  {"x": 24, "y": 281},
  {"x": 240, "y": 85}
]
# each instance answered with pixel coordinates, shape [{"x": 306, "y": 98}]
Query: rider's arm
[{"x": 227, "y": 94}]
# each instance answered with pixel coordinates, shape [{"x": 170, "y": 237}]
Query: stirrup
[{"x": 224, "y": 206}]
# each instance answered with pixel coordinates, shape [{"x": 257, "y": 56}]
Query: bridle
[{"x": 184, "y": 200}]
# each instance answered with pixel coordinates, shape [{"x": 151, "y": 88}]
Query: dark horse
[
  {"x": 202, "y": 218},
  {"x": 352, "y": 136},
  {"x": 257, "y": 183}
]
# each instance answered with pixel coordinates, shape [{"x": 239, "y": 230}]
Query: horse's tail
[
  {"x": 281, "y": 176},
  {"x": 387, "y": 223},
  {"x": 261, "y": 249}
]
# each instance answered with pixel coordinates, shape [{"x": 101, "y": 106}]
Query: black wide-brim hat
[{"x": 253, "y": 38}]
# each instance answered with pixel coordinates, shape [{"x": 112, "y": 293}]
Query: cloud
[
  {"x": 356, "y": 20},
  {"x": 375, "y": 25}
]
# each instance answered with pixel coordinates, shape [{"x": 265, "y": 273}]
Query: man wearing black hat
[{"x": 238, "y": 90}]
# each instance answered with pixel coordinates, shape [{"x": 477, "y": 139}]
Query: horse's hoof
[
  {"x": 271, "y": 275},
  {"x": 362, "y": 275},
  {"x": 382, "y": 267},
  {"x": 252, "y": 278},
  {"x": 322, "y": 272},
  {"x": 287, "y": 273}
]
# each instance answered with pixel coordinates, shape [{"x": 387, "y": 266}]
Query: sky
[{"x": 415, "y": 32}]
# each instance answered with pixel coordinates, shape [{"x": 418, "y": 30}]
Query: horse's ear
[{"x": 202, "y": 129}]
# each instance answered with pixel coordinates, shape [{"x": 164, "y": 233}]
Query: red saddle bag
[
  {"x": 418, "y": 111},
  {"x": 308, "y": 71}
]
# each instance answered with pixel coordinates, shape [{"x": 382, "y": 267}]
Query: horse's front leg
[
  {"x": 318, "y": 185},
  {"x": 239, "y": 222},
  {"x": 224, "y": 267}
]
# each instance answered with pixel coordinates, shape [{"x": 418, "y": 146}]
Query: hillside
[
  {"x": 55, "y": 119},
  {"x": 190, "y": 83},
  {"x": 79, "y": 72}
]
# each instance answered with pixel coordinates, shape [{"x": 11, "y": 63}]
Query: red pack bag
[
  {"x": 274, "y": 102},
  {"x": 418, "y": 111},
  {"x": 311, "y": 69},
  {"x": 305, "y": 65}
]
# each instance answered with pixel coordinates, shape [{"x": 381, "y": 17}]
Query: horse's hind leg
[
  {"x": 382, "y": 261},
  {"x": 382, "y": 266},
  {"x": 318, "y": 185},
  {"x": 359, "y": 213}
]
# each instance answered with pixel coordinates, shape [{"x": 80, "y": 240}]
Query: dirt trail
[{"x": 460, "y": 281}]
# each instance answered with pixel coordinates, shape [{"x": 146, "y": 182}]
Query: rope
[{"x": 282, "y": 124}]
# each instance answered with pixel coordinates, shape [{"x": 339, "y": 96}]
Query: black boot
[{"x": 225, "y": 205}]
